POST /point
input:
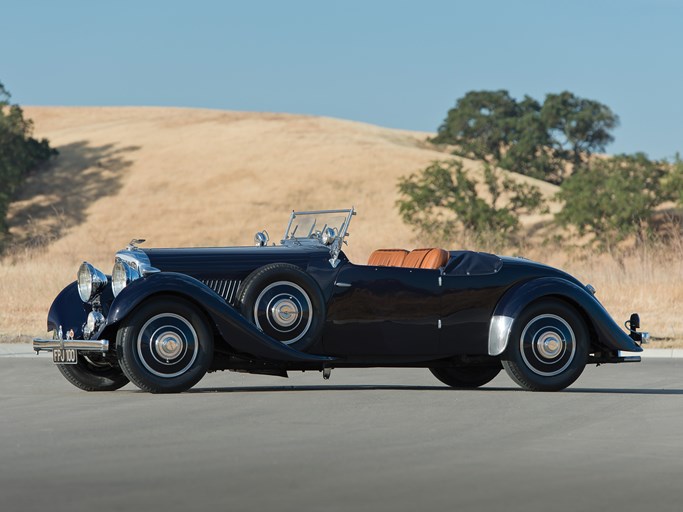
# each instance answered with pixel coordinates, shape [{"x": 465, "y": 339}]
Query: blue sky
[{"x": 397, "y": 64}]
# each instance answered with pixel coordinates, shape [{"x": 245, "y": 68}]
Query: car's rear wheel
[
  {"x": 89, "y": 374},
  {"x": 285, "y": 303},
  {"x": 165, "y": 345},
  {"x": 548, "y": 347},
  {"x": 466, "y": 377}
]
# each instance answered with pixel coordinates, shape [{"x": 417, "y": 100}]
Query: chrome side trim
[
  {"x": 80, "y": 345},
  {"x": 499, "y": 332},
  {"x": 342, "y": 285}
]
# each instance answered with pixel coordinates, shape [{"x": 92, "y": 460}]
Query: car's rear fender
[
  {"x": 238, "y": 332},
  {"x": 606, "y": 331}
]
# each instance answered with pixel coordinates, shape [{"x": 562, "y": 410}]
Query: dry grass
[
  {"x": 187, "y": 177},
  {"x": 650, "y": 283}
]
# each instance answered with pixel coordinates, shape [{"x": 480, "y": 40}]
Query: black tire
[
  {"x": 548, "y": 346},
  {"x": 285, "y": 303},
  {"x": 466, "y": 377},
  {"x": 165, "y": 345},
  {"x": 90, "y": 375}
]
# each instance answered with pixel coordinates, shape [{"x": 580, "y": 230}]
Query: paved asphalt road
[{"x": 371, "y": 439}]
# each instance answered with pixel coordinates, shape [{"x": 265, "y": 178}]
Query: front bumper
[{"x": 78, "y": 345}]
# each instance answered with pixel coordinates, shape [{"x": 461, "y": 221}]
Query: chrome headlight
[
  {"x": 90, "y": 281},
  {"x": 122, "y": 275}
]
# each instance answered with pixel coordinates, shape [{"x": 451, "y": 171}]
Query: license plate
[{"x": 64, "y": 356}]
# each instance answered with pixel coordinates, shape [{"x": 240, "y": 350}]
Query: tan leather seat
[
  {"x": 387, "y": 257},
  {"x": 430, "y": 258}
]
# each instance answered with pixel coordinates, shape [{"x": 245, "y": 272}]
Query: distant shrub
[
  {"x": 444, "y": 200},
  {"x": 19, "y": 152},
  {"x": 673, "y": 184},
  {"x": 615, "y": 198}
]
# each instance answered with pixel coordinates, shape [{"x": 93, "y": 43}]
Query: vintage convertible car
[{"x": 167, "y": 316}]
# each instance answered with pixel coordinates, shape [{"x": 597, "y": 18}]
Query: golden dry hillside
[
  {"x": 190, "y": 177},
  {"x": 205, "y": 177}
]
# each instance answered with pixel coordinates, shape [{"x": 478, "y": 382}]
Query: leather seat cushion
[
  {"x": 388, "y": 257},
  {"x": 429, "y": 258}
]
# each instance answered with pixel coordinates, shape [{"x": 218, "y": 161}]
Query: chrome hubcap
[
  {"x": 167, "y": 345},
  {"x": 285, "y": 312},
  {"x": 547, "y": 345}
]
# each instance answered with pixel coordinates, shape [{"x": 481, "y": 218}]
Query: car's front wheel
[
  {"x": 165, "y": 345},
  {"x": 548, "y": 347},
  {"x": 466, "y": 377},
  {"x": 90, "y": 374}
]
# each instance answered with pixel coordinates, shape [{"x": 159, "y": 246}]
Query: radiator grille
[{"x": 224, "y": 288}]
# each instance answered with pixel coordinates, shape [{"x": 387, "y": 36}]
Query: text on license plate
[{"x": 64, "y": 356}]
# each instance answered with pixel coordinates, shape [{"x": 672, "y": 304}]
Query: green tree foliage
[
  {"x": 614, "y": 198},
  {"x": 481, "y": 124},
  {"x": 443, "y": 200},
  {"x": 673, "y": 185},
  {"x": 611, "y": 198},
  {"x": 529, "y": 148},
  {"x": 578, "y": 127},
  {"x": 542, "y": 141},
  {"x": 19, "y": 152}
]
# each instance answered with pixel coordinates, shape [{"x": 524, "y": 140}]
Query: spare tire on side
[{"x": 285, "y": 303}]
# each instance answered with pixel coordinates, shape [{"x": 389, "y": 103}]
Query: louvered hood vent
[{"x": 224, "y": 288}]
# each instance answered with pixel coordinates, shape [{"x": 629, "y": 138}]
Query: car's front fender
[
  {"x": 513, "y": 302},
  {"x": 68, "y": 311},
  {"x": 238, "y": 332}
]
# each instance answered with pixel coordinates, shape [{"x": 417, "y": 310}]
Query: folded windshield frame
[{"x": 307, "y": 227}]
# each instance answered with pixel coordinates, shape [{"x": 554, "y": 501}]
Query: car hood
[{"x": 209, "y": 261}]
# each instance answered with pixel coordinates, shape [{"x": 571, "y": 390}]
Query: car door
[
  {"x": 383, "y": 311},
  {"x": 471, "y": 287}
]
